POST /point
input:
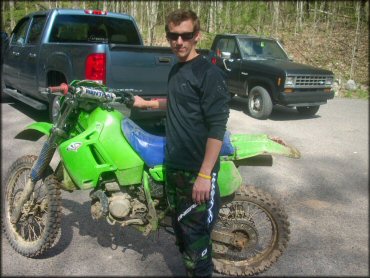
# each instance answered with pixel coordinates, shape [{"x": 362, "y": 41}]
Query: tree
[
  {"x": 152, "y": 12},
  {"x": 275, "y": 18},
  {"x": 354, "y": 48},
  {"x": 11, "y": 8}
]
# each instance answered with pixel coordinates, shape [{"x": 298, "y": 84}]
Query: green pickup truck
[{"x": 260, "y": 69}]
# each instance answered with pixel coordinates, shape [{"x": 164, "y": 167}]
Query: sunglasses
[{"x": 184, "y": 36}]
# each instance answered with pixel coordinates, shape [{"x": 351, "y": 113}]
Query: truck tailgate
[{"x": 139, "y": 67}]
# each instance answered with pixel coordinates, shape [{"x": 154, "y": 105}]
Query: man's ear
[{"x": 197, "y": 37}]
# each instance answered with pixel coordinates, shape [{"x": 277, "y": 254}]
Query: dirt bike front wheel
[
  {"x": 38, "y": 225},
  {"x": 252, "y": 231}
]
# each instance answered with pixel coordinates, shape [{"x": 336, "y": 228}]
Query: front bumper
[{"x": 304, "y": 97}]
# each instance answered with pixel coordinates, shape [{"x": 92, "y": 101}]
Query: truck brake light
[
  {"x": 95, "y": 67},
  {"x": 97, "y": 12}
]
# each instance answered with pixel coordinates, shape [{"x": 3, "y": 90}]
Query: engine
[{"x": 117, "y": 206}]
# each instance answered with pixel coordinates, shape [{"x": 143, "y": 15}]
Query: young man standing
[{"x": 197, "y": 113}]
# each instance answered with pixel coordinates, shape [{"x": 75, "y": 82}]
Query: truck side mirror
[{"x": 225, "y": 55}]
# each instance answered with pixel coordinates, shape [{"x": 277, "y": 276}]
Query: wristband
[{"x": 204, "y": 176}]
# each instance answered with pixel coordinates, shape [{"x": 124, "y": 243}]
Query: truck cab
[{"x": 260, "y": 69}]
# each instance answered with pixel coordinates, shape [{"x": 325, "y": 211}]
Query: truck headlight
[
  {"x": 329, "y": 81},
  {"x": 289, "y": 81}
]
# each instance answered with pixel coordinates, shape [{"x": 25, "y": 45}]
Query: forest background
[{"x": 330, "y": 34}]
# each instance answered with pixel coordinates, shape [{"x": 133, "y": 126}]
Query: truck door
[
  {"x": 13, "y": 55},
  {"x": 228, "y": 51},
  {"x": 29, "y": 57}
]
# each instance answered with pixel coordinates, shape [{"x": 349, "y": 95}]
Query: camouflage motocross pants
[{"x": 192, "y": 223}]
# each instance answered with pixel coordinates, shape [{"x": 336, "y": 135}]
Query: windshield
[
  {"x": 254, "y": 48},
  {"x": 94, "y": 29}
]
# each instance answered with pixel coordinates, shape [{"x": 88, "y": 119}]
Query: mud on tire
[
  {"x": 263, "y": 225},
  {"x": 38, "y": 226}
]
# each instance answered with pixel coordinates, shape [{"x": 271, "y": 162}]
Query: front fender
[{"x": 35, "y": 131}]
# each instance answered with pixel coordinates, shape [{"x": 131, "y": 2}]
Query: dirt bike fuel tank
[{"x": 100, "y": 148}]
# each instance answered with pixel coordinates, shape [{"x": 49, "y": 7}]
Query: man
[{"x": 197, "y": 113}]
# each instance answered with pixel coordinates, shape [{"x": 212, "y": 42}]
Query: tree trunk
[
  {"x": 133, "y": 9},
  {"x": 308, "y": 8},
  {"x": 11, "y": 8},
  {"x": 364, "y": 12},
  {"x": 198, "y": 8},
  {"x": 314, "y": 22},
  {"x": 3, "y": 17},
  {"x": 354, "y": 48},
  {"x": 152, "y": 12},
  {"x": 299, "y": 17},
  {"x": 227, "y": 21},
  {"x": 275, "y": 18},
  {"x": 211, "y": 15}
]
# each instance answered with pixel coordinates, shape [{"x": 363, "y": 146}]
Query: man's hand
[
  {"x": 153, "y": 104},
  {"x": 201, "y": 190},
  {"x": 139, "y": 102}
]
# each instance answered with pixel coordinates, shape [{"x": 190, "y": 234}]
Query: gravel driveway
[{"x": 325, "y": 194}]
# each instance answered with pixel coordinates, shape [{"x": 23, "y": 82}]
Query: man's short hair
[{"x": 178, "y": 16}]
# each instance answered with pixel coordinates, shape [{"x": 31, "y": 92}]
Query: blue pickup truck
[{"x": 60, "y": 45}]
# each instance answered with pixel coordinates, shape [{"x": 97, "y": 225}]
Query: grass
[{"x": 358, "y": 93}]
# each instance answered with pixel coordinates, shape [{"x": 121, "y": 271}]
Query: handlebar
[
  {"x": 125, "y": 96},
  {"x": 62, "y": 88}
]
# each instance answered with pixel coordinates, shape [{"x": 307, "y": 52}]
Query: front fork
[
  {"x": 44, "y": 159},
  {"x": 37, "y": 171}
]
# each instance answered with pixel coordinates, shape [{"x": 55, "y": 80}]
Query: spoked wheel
[
  {"x": 251, "y": 233},
  {"x": 39, "y": 222}
]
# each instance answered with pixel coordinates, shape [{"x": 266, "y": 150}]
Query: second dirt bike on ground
[{"x": 103, "y": 151}]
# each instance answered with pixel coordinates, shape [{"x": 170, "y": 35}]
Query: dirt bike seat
[{"x": 151, "y": 147}]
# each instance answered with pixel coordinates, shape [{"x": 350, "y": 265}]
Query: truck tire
[
  {"x": 259, "y": 103},
  {"x": 308, "y": 110}
]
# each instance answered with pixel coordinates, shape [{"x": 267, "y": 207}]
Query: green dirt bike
[{"x": 103, "y": 151}]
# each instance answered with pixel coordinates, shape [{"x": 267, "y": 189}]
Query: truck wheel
[
  {"x": 308, "y": 110},
  {"x": 54, "y": 108},
  {"x": 251, "y": 232},
  {"x": 259, "y": 103}
]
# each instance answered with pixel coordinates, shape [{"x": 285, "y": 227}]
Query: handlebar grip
[{"x": 62, "y": 88}]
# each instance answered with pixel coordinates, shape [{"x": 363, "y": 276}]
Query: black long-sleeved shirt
[{"x": 197, "y": 109}]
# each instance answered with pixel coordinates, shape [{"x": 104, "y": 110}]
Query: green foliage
[
  {"x": 325, "y": 39},
  {"x": 358, "y": 93}
]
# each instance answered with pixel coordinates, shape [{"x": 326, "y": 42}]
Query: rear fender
[
  {"x": 35, "y": 131},
  {"x": 259, "y": 146}
]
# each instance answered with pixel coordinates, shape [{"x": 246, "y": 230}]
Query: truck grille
[{"x": 310, "y": 81}]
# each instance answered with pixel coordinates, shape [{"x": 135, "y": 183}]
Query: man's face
[{"x": 183, "y": 46}]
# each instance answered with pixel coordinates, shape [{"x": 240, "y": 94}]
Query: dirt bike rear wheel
[
  {"x": 39, "y": 223},
  {"x": 261, "y": 230}
]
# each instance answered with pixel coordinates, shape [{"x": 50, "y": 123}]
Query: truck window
[
  {"x": 227, "y": 45},
  {"x": 261, "y": 49},
  {"x": 94, "y": 29},
  {"x": 38, "y": 23},
  {"x": 20, "y": 32}
]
